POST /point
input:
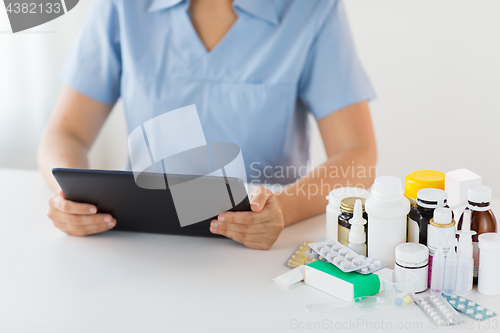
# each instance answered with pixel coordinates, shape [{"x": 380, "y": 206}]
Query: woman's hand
[
  {"x": 258, "y": 229},
  {"x": 77, "y": 219}
]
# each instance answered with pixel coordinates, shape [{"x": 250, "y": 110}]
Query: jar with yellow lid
[
  {"x": 415, "y": 182},
  {"x": 421, "y": 179},
  {"x": 346, "y": 213}
]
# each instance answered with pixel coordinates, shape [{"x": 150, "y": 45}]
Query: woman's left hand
[{"x": 258, "y": 229}]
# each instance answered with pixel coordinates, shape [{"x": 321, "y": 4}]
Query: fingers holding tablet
[
  {"x": 258, "y": 229},
  {"x": 77, "y": 219}
]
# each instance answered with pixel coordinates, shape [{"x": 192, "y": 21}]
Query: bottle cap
[
  {"x": 387, "y": 187},
  {"x": 412, "y": 253},
  {"x": 431, "y": 198},
  {"x": 442, "y": 217},
  {"x": 347, "y": 204},
  {"x": 464, "y": 249},
  {"x": 336, "y": 195},
  {"x": 489, "y": 241},
  {"x": 465, "y": 221},
  {"x": 479, "y": 194},
  {"x": 421, "y": 179},
  {"x": 357, "y": 234}
]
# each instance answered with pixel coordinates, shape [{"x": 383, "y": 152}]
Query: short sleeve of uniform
[
  {"x": 333, "y": 77},
  {"x": 93, "y": 67}
]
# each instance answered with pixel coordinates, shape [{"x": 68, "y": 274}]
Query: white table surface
[{"x": 133, "y": 282}]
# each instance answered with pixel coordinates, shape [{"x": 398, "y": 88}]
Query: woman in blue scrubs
[{"x": 253, "y": 68}]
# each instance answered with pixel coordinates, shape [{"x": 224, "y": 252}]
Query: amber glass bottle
[{"x": 482, "y": 218}]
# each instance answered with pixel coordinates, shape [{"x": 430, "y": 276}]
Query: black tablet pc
[{"x": 135, "y": 208}]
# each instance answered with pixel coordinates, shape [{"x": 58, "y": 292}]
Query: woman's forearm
[
  {"x": 306, "y": 197},
  {"x": 60, "y": 150},
  {"x": 70, "y": 132}
]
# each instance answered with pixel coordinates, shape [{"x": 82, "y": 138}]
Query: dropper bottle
[
  {"x": 465, "y": 266},
  {"x": 450, "y": 270},
  {"x": 437, "y": 277},
  {"x": 357, "y": 235}
]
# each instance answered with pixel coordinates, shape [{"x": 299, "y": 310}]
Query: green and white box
[{"x": 346, "y": 286}]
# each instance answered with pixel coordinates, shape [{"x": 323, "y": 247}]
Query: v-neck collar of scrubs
[{"x": 262, "y": 9}]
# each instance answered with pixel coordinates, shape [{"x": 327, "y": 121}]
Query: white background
[{"x": 435, "y": 65}]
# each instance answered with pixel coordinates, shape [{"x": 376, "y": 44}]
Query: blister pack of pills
[
  {"x": 337, "y": 250},
  {"x": 299, "y": 256},
  {"x": 339, "y": 255},
  {"x": 438, "y": 310},
  {"x": 374, "y": 265},
  {"x": 468, "y": 307}
]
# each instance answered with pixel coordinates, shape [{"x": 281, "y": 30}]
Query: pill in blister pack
[
  {"x": 299, "y": 256},
  {"x": 438, "y": 311},
  {"x": 468, "y": 307},
  {"x": 374, "y": 265},
  {"x": 339, "y": 255}
]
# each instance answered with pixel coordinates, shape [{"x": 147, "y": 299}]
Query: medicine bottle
[
  {"x": 346, "y": 213},
  {"x": 441, "y": 230},
  {"x": 413, "y": 257},
  {"x": 333, "y": 207},
  {"x": 482, "y": 218},
  {"x": 415, "y": 182},
  {"x": 387, "y": 210},
  {"x": 489, "y": 263},
  {"x": 428, "y": 200}
]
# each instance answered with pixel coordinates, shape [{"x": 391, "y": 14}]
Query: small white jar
[
  {"x": 413, "y": 257},
  {"x": 333, "y": 207},
  {"x": 489, "y": 263}
]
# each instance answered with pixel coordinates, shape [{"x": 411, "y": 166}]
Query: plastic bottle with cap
[
  {"x": 437, "y": 274},
  {"x": 357, "y": 235},
  {"x": 450, "y": 270},
  {"x": 428, "y": 199},
  {"x": 441, "y": 228},
  {"x": 482, "y": 219},
  {"x": 387, "y": 210},
  {"x": 489, "y": 264},
  {"x": 465, "y": 266}
]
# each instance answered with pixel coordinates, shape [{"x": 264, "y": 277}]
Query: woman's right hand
[{"x": 77, "y": 219}]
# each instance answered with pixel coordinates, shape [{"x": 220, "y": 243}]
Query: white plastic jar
[
  {"x": 489, "y": 263},
  {"x": 333, "y": 207},
  {"x": 413, "y": 257},
  {"x": 387, "y": 210}
]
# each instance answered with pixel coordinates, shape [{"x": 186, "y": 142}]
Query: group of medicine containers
[{"x": 411, "y": 228}]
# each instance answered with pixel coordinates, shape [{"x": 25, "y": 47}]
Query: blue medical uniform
[{"x": 280, "y": 60}]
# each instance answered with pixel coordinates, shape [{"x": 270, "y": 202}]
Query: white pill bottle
[
  {"x": 489, "y": 264},
  {"x": 413, "y": 257},
  {"x": 387, "y": 210},
  {"x": 333, "y": 207}
]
